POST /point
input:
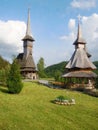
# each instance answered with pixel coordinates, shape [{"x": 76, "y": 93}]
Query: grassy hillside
[
  {"x": 51, "y": 70},
  {"x": 32, "y": 109},
  {"x": 96, "y": 63}
]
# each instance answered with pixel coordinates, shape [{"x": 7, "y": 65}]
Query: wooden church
[
  {"x": 80, "y": 66},
  {"x": 25, "y": 59}
]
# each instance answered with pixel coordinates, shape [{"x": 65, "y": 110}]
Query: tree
[
  {"x": 14, "y": 81},
  {"x": 57, "y": 76},
  {"x": 3, "y": 75},
  {"x": 40, "y": 67}
]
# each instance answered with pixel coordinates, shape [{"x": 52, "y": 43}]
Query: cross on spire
[{"x": 79, "y": 18}]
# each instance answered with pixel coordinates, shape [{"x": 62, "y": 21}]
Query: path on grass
[{"x": 47, "y": 83}]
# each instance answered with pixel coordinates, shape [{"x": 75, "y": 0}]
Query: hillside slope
[
  {"x": 51, "y": 70},
  {"x": 3, "y": 63},
  {"x": 60, "y": 67}
]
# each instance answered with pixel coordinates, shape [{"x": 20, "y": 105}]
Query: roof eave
[{"x": 27, "y": 37}]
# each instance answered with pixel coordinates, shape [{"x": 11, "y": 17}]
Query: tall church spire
[
  {"x": 79, "y": 34},
  {"x": 80, "y": 39},
  {"x": 28, "y": 31},
  {"x": 28, "y": 35}
]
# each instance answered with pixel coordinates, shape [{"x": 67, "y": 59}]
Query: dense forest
[{"x": 96, "y": 63}]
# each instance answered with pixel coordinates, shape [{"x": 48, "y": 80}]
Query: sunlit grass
[{"x": 33, "y": 109}]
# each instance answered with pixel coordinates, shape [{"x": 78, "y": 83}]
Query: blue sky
[{"x": 53, "y": 25}]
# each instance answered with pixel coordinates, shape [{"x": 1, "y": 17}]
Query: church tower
[
  {"x": 28, "y": 39},
  {"x": 80, "y": 41},
  {"x": 80, "y": 58},
  {"x": 25, "y": 59},
  {"x": 79, "y": 65}
]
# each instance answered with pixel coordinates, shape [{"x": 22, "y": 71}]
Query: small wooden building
[
  {"x": 80, "y": 66},
  {"x": 25, "y": 59}
]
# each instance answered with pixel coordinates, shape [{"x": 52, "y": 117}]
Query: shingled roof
[
  {"x": 80, "y": 59},
  {"x": 80, "y": 74},
  {"x": 27, "y": 37},
  {"x": 26, "y": 62}
]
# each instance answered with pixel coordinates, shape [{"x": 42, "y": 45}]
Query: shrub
[
  {"x": 14, "y": 80},
  {"x": 62, "y": 98}
]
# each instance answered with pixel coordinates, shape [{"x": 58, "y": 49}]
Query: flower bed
[{"x": 64, "y": 101}]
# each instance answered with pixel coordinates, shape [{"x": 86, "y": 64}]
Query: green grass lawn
[{"x": 33, "y": 109}]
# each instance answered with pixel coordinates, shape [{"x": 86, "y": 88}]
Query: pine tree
[
  {"x": 40, "y": 67},
  {"x": 14, "y": 81}
]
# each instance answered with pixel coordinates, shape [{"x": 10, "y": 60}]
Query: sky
[{"x": 54, "y": 27}]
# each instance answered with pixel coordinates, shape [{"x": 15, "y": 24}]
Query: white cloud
[
  {"x": 11, "y": 33},
  {"x": 90, "y": 31},
  {"x": 71, "y": 23},
  {"x": 83, "y": 4},
  {"x": 90, "y": 34},
  {"x": 69, "y": 37},
  {"x": 91, "y": 25}
]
